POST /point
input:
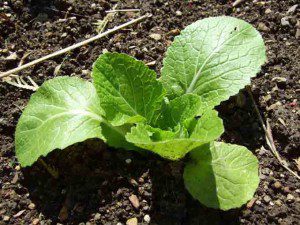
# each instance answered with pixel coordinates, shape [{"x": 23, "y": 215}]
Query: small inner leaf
[{"x": 177, "y": 143}]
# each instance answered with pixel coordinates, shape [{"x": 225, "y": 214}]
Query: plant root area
[{"x": 100, "y": 185}]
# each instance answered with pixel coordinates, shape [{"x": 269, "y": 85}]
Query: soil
[{"x": 96, "y": 183}]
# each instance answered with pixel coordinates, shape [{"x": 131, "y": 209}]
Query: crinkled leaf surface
[
  {"x": 213, "y": 58},
  {"x": 63, "y": 111},
  {"x": 128, "y": 89},
  {"x": 175, "y": 144},
  {"x": 221, "y": 175},
  {"x": 179, "y": 111}
]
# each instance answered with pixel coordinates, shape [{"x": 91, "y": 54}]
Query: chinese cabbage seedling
[{"x": 128, "y": 107}]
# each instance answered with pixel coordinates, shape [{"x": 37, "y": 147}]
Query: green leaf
[
  {"x": 114, "y": 136},
  {"x": 213, "y": 58},
  {"x": 175, "y": 144},
  {"x": 179, "y": 111},
  {"x": 221, "y": 175},
  {"x": 63, "y": 111},
  {"x": 128, "y": 89}
]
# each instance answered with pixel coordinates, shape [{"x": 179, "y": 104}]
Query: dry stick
[
  {"x": 72, "y": 47},
  {"x": 19, "y": 81},
  {"x": 237, "y": 2},
  {"x": 122, "y": 10},
  {"x": 269, "y": 136},
  {"x": 107, "y": 18}
]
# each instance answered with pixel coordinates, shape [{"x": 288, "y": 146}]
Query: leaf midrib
[{"x": 218, "y": 48}]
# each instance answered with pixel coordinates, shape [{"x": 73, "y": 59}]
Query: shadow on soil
[{"x": 98, "y": 180}]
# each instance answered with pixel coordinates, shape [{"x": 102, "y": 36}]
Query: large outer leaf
[
  {"x": 63, "y": 111},
  {"x": 213, "y": 58},
  {"x": 128, "y": 89},
  {"x": 222, "y": 175},
  {"x": 175, "y": 145}
]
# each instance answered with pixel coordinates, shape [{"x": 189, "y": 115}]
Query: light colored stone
[
  {"x": 279, "y": 79},
  {"x": 132, "y": 221},
  {"x": 277, "y": 185},
  {"x": 156, "y": 37},
  {"x": 268, "y": 11},
  {"x": 6, "y": 218},
  {"x": 263, "y": 27},
  {"x": 290, "y": 198},
  {"x": 97, "y": 216},
  {"x": 35, "y": 221},
  {"x": 18, "y": 168},
  {"x": 285, "y": 21},
  {"x": 178, "y": 13},
  {"x": 147, "y": 218},
  {"x": 31, "y": 206},
  {"x": 134, "y": 201},
  {"x": 267, "y": 198}
]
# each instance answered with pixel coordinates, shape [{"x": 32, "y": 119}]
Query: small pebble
[
  {"x": 133, "y": 182},
  {"x": 147, "y": 218},
  {"x": 263, "y": 27},
  {"x": 85, "y": 72},
  {"x": 31, "y": 206},
  {"x": 290, "y": 198},
  {"x": 267, "y": 198},
  {"x": 274, "y": 106},
  {"x": 17, "y": 168},
  {"x": 268, "y": 11},
  {"x": 152, "y": 63},
  {"x": 277, "y": 185},
  {"x": 178, "y": 13},
  {"x": 97, "y": 216},
  {"x": 134, "y": 201},
  {"x": 156, "y": 37},
  {"x": 278, "y": 202},
  {"x": 6, "y": 218},
  {"x": 286, "y": 190},
  {"x": 279, "y": 80},
  {"x": 132, "y": 221},
  {"x": 35, "y": 221},
  {"x": 285, "y": 21}
]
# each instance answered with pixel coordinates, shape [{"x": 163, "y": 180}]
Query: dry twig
[
  {"x": 237, "y": 2},
  {"x": 101, "y": 24},
  {"x": 269, "y": 137},
  {"x": 72, "y": 47},
  {"x": 18, "y": 81},
  {"x": 122, "y": 10}
]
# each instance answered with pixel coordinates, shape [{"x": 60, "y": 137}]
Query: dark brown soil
[{"x": 95, "y": 183}]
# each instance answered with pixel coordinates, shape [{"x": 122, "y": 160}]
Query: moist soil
[{"x": 96, "y": 183}]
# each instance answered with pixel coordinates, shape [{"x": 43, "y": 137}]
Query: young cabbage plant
[{"x": 128, "y": 107}]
